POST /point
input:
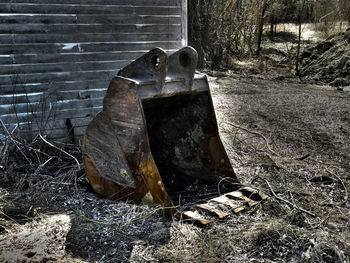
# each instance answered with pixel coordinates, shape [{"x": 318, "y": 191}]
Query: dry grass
[
  {"x": 43, "y": 182},
  {"x": 294, "y": 136},
  {"x": 297, "y": 138}
]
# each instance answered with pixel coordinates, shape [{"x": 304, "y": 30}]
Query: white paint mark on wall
[{"x": 68, "y": 46}]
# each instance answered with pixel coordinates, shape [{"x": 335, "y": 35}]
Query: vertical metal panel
[{"x": 184, "y": 23}]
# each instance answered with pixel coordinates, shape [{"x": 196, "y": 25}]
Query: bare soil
[{"x": 289, "y": 139}]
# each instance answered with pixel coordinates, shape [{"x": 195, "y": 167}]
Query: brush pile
[{"x": 328, "y": 61}]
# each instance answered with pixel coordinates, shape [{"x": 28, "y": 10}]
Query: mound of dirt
[
  {"x": 275, "y": 56},
  {"x": 328, "y": 61}
]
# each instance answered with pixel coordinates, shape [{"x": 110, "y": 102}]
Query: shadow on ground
[{"x": 94, "y": 229}]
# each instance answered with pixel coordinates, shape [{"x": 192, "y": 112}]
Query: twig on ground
[
  {"x": 284, "y": 200},
  {"x": 302, "y": 157},
  {"x": 134, "y": 220},
  {"x": 13, "y": 140},
  {"x": 75, "y": 159},
  {"x": 42, "y": 165},
  {"x": 120, "y": 226},
  {"x": 341, "y": 181},
  {"x": 256, "y": 133}
]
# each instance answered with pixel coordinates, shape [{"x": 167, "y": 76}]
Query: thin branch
[
  {"x": 13, "y": 140},
  {"x": 346, "y": 190},
  {"x": 256, "y": 133},
  {"x": 328, "y": 14},
  {"x": 127, "y": 223},
  {"x": 147, "y": 215},
  {"x": 284, "y": 200},
  {"x": 75, "y": 159},
  {"x": 42, "y": 165}
]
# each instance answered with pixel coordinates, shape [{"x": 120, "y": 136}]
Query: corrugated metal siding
[{"x": 58, "y": 56}]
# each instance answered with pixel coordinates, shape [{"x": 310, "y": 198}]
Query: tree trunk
[
  {"x": 271, "y": 27},
  {"x": 301, "y": 10},
  {"x": 260, "y": 32},
  {"x": 264, "y": 5}
]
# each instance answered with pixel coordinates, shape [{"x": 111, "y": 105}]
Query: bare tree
[
  {"x": 301, "y": 8},
  {"x": 221, "y": 29},
  {"x": 344, "y": 7},
  {"x": 262, "y": 7}
]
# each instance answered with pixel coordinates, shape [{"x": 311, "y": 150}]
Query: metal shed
[{"x": 58, "y": 56}]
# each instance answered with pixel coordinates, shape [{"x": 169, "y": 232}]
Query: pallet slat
[
  {"x": 28, "y": 88},
  {"x": 57, "y": 95},
  {"x": 61, "y": 67},
  {"x": 51, "y": 77},
  {"x": 212, "y": 209},
  {"x": 42, "y": 117},
  {"x": 82, "y": 48},
  {"x": 70, "y": 57},
  {"x": 87, "y": 37},
  {"x": 88, "y": 28},
  {"x": 44, "y": 19},
  {"x": 50, "y": 105},
  {"x": 175, "y": 3},
  {"x": 24, "y": 8}
]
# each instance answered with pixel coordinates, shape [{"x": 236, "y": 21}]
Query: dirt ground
[{"x": 289, "y": 139}]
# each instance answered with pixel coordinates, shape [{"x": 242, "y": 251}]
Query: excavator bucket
[{"x": 156, "y": 139}]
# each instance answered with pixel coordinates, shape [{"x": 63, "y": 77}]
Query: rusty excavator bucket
[{"x": 156, "y": 140}]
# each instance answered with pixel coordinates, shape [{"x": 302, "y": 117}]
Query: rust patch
[
  {"x": 111, "y": 190},
  {"x": 123, "y": 173},
  {"x": 154, "y": 182}
]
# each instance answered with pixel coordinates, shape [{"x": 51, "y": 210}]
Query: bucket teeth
[
  {"x": 253, "y": 193},
  {"x": 212, "y": 209},
  {"x": 232, "y": 205},
  {"x": 238, "y": 195},
  {"x": 248, "y": 194},
  {"x": 156, "y": 134},
  {"x": 225, "y": 205},
  {"x": 194, "y": 216},
  {"x": 239, "y": 209}
]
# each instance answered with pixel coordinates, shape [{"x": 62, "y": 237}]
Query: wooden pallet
[{"x": 225, "y": 205}]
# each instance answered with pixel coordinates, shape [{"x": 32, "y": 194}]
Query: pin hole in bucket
[
  {"x": 155, "y": 61},
  {"x": 184, "y": 59}
]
